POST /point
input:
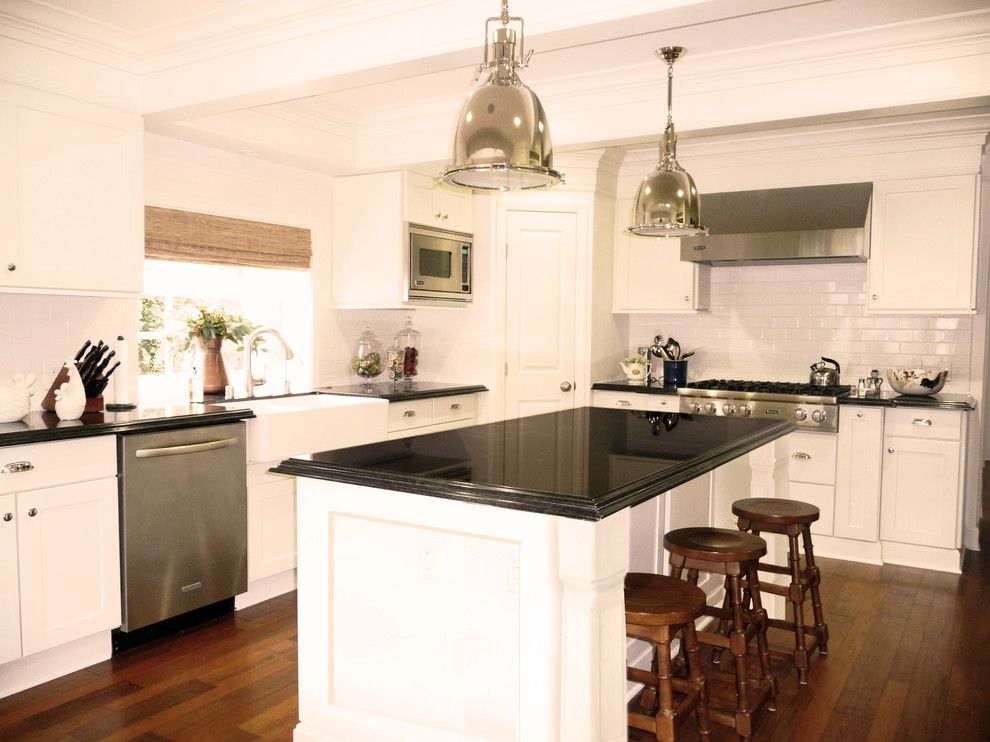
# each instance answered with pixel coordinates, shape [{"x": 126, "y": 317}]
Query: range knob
[
  {"x": 819, "y": 416},
  {"x": 711, "y": 408},
  {"x": 728, "y": 408},
  {"x": 800, "y": 414},
  {"x": 696, "y": 408},
  {"x": 745, "y": 410}
]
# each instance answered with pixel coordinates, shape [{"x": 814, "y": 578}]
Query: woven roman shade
[{"x": 170, "y": 234}]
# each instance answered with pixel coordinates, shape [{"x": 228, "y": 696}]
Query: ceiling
[{"x": 343, "y": 86}]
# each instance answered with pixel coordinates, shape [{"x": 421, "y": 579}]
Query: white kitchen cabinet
[
  {"x": 649, "y": 276},
  {"x": 920, "y": 493},
  {"x": 857, "y": 478},
  {"x": 635, "y": 401},
  {"x": 60, "y": 549},
  {"x": 923, "y": 246},
  {"x": 369, "y": 250},
  {"x": 71, "y": 206},
  {"x": 417, "y": 416},
  {"x": 271, "y": 524},
  {"x": 436, "y": 205},
  {"x": 811, "y": 474},
  {"x": 10, "y": 614}
]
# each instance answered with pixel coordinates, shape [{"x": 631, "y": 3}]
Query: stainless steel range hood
[{"x": 813, "y": 223}]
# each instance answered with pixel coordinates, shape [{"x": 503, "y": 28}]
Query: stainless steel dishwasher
[{"x": 183, "y": 520}]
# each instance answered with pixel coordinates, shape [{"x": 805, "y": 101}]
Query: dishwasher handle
[{"x": 150, "y": 453}]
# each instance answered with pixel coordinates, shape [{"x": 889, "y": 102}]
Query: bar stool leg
[
  {"x": 821, "y": 628},
  {"x": 737, "y": 645},
  {"x": 665, "y": 717},
  {"x": 766, "y": 671},
  {"x": 796, "y": 597},
  {"x": 689, "y": 639}
]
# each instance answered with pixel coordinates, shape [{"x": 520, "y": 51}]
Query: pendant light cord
[
  {"x": 670, "y": 93},
  {"x": 505, "y": 13}
]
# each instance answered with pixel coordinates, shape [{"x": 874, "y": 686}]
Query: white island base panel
[{"x": 430, "y": 620}]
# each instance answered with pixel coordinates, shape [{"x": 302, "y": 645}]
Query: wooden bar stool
[
  {"x": 790, "y": 518},
  {"x": 657, "y": 609},
  {"x": 735, "y": 555}
]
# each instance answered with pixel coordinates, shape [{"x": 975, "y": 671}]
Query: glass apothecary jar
[
  {"x": 407, "y": 341},
  {"x": 368, "y": 359}
]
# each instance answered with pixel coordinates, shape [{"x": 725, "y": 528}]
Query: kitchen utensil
[
  {"x": 82, "y": 351},
  {"x": 673, "y": 349},
  {"x": 824, "y": 375},
  {"x": 658, "y": 350},
  {"x": 916, "y": 382}
]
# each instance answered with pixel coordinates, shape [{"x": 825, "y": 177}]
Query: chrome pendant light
[
  {"x": 667, "y": 202},
  {"x": 502, "y": 141}
]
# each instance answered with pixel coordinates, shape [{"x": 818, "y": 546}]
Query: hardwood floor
[{"x": 909, "y": 659}]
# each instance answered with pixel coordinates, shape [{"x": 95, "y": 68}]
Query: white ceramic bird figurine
[
  {"x": 70, "y": 398},
  {"x": 15, "y": 401}
]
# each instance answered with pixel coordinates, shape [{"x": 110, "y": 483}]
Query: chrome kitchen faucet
[{"x": 249, "y": 345}]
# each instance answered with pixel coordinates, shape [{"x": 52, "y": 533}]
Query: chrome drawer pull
[
  {"x": 16, "y": 467},
  {"x": 859, "y": 414},
  {"x": 623, "y": 403},
  {"x": 455, "y": 406},
  {"x": 922, "y": 421},
  {"x": 800, "y": 455},
  {"x": 409, "y": 413},
  {"x": 151, "y": 453}
]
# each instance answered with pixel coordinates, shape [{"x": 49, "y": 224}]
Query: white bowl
[{"x": 916, "y": 382}]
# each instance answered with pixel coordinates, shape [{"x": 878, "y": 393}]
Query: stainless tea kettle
[{"x": 824, "y": 375}]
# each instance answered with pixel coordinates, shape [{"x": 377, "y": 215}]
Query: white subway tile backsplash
[{"x": 774, "y": 321}]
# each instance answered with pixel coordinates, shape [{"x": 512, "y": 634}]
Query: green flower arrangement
[{"x": 218, "y": 323}]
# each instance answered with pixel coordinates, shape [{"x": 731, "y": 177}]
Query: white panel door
[
  {"x": 540, "y": 312},
  {"x": 271, "y": 527},
  {"x": 10, "y": 614},
  {"x": 920, "y": 492},
  {"x": 857, "y": 479},
  {"x": 69, "y": 562}
]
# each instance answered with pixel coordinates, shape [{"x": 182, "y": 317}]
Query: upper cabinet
[
  {"x": 649, "y": 276},
  {"x": 71, "y": 196},
  {"x": 369, "y": 236},
  {"x": 923, "y": 247},
  {"x": 433, "y": 204}
]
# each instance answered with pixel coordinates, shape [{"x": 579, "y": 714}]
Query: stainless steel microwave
[{"x": 439, "y": 264}]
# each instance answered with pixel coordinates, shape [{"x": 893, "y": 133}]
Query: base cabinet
[
  {"x": 811, "y": 473},
  {"x": 10, "y": 614},
  {"x": 857, "y": 479},
  {"x": 271, "y": 526}
]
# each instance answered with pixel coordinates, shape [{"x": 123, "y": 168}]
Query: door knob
[{"x": 565, "y": 386}]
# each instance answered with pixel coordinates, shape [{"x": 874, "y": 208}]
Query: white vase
[{"x": 70, "y": 398}]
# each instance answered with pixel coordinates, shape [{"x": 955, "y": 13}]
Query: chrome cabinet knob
[
  {"x": 11, "y": 267},
  {"x": 566, "y": 386},
  {"x": 876, "y": 296},
  {"x": 890, "y": 450},
  {"x": 819, "y": 416},
  {"x": 455, "y": 406},
  {"x": 437, "y": 215},
  {"x": 7, "y": 517},
  {"x": 800, "y": 414},
  {"x": 33, "y": 512},
  {"x": 687, "y": 298}
]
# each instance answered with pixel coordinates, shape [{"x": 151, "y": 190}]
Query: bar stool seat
[
  {"x": 659, "y": 608},
  {"x": 734, "y": 554},
  {"x": 791, "y": 518}
]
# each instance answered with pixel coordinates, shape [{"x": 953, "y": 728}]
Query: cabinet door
[
  {"x": 857, "y": 479},
  {"x": 919, "y": 499},
  {"x": 649, "y": 275},
  {"x": 271, "y": 527},
  {"x": 10, "y": 602},
  {"x": 435, "y": 205},
  {"x": 419, "y": 197},
  {"x": 455, "y": 207},
  {"x": 69, "y": 562},
  {"x": 73, "y": 205},
  {"x": 922, "y": 251}
]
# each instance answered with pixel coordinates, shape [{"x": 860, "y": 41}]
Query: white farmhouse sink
[{"x": 288, "y": 426}]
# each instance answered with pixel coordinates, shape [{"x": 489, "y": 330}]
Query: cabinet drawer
[
  {"x": 636, "y": 401},
  {"x": 58, "y": 462},
  {"x": 408, "y": 415},
  {"x": 812, "y": 458},
  {"x": 452, "y": 409},
  {"x": 921, "y": 423}
]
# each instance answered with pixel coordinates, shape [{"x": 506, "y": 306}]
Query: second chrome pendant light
[
  {"x": 667, "y": 202},
  {"x": 502, "y": 140}
]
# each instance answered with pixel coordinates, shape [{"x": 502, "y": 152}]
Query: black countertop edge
[
  {"x": 631, "y": 386},
  {"x": 403, "y": 395},
  {"x": 91, "y": 425},
  {"x": 545, "y": 503},
  {"x": 964, "y": 403}
]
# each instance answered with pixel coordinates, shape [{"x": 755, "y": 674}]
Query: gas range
[{"x": 807, "y": 406}]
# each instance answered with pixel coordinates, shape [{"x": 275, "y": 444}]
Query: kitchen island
[{"x": 467, "y": 585}]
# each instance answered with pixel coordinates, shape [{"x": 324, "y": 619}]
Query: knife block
[{"x": 48, "y": 403}]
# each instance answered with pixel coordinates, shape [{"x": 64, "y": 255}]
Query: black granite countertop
[
  {"x": 889, "y": 398},
  {"x": 624, "y": 385},
  {"x": 404, "y": 391},
  {"x": 586, "y": 463},
  {"x": 40, "y": 427}
]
